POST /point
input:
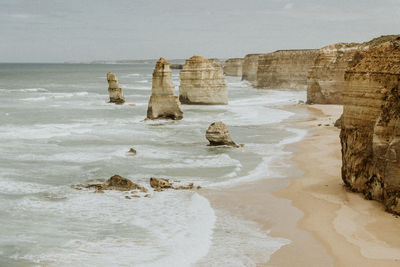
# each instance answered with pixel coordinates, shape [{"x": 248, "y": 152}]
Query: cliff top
[
  {"x": 382, "y": 39},
  {"x": 384, "y": 58}
]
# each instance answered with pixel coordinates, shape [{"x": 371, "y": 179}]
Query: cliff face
[
  {"x": 163, "y": 104},
  {"x": 116, "y": 94},
  {"x": 233, "y": 67},
  {"x": 250, "y": 66},
  {"x": 202, "y": 83},
  {"x": 326, "y": 78},
  {"x": 370, "y": 134},
  {"x": 285, "y": 69}
]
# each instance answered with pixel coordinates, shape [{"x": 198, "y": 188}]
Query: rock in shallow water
[
  {"x": 116, "y": 182},
  {"x": 218, "y": 135}
]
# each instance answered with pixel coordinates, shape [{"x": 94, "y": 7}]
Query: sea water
[{"x": 57, "y": 130}]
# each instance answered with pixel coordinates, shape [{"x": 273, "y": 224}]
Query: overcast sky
[{"x": 84, "y": 30}]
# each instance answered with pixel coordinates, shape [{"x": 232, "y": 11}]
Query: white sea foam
[
  {"x": 29, "y": 90},
  {"x": 175, "y": 229},
  {"x": 238, "y": 242}
]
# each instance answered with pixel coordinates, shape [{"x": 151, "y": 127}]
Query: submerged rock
[
  {"x": 202, "y": 83},
  {"x": 163, "y": 104},
  {"x": 218, "y": 135},
  {"x": 116, "y": 94}
]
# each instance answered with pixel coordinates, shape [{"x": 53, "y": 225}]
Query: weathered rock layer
[
  {"x": 249, "y": 67},
  {"x": 370, "y": 134},
  {"x": 233, "y": 67},
  {"x": 202, "y": 83},
  {"x": 286, "y": 69},
  {"x": 326, "y": 78},
  {"x": 116, "y": 94},
  {"x": 163, "y": 104}
]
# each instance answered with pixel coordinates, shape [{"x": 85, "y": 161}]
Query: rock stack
[
  {"x": 233, "y": 67},
  {"x": 116, "y": 94},
  {"x": 370, "y": 134},
  {"x": 202, "y": 83},
  {"x": 163, "y": 104},
  {"x": 249, "y": 67},
  {"x": 218, "y": 135}
]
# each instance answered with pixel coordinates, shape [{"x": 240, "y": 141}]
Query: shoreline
[{"x": 326, "y": 224}]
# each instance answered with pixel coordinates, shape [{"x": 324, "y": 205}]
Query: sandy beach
[{"x": 327, "y": 224}]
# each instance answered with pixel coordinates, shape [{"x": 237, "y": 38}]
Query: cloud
[{"x": 288, "y": 6}]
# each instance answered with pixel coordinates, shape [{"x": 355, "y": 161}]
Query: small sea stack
[
  {"x": 163, "y": 104},
  {"x": 116, "y": 94},
  {"x": 202, "y": 83},
  {"x": 218, "y": 135}
]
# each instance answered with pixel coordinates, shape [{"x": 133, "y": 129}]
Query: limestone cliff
[
  {"x": 202, "y": 83},
  {"x": 249, "y": 67},
  {"x": 116, "y": 94},
  {"x": 286, "y": 69},
  {"x": 233, "y": 67},
  {"x": 163, "y": 104},
  {"x": 370, "y": 134},
  {"x": 326, "y": 78}
]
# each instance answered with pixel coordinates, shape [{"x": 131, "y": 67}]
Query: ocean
[{"x": 57, "y": 130}]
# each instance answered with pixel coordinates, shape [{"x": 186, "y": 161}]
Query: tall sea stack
[
  {"x": 163, "y": 104},
  {"x": 202, "y": 83},
  {"x": 370, "y": 134},
  {"x": 116, "y": 94}
]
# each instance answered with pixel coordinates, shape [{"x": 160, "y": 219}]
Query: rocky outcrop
[
  {"x": 250, "y": 66},
  {"x": 326, "y": 79},
  {"x": 233, "y": 67},
  {"x": 160, "y": 184},
  {"x": 116, "y": 182},
  {"x": 285, "y": 69},
  {"x": 163, "y": 104},
  {"x": 116, "y": 94},
  {"x": 202, "y": 83},
  {"x": 218, "y": 135},
  {"x": 370, "y": 135}
]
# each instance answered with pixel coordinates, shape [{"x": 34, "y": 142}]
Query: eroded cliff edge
[
  {"x": 286, "y": 69},
  {"x": 370, "y": 135}
]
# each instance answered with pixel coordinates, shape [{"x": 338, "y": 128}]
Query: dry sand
[{"x": 327, "y": 225}]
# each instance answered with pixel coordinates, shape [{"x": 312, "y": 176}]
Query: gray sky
[{"x": 84, "y": 30}]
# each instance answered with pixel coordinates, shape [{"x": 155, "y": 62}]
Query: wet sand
[{"x": 327, "y": 225}]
